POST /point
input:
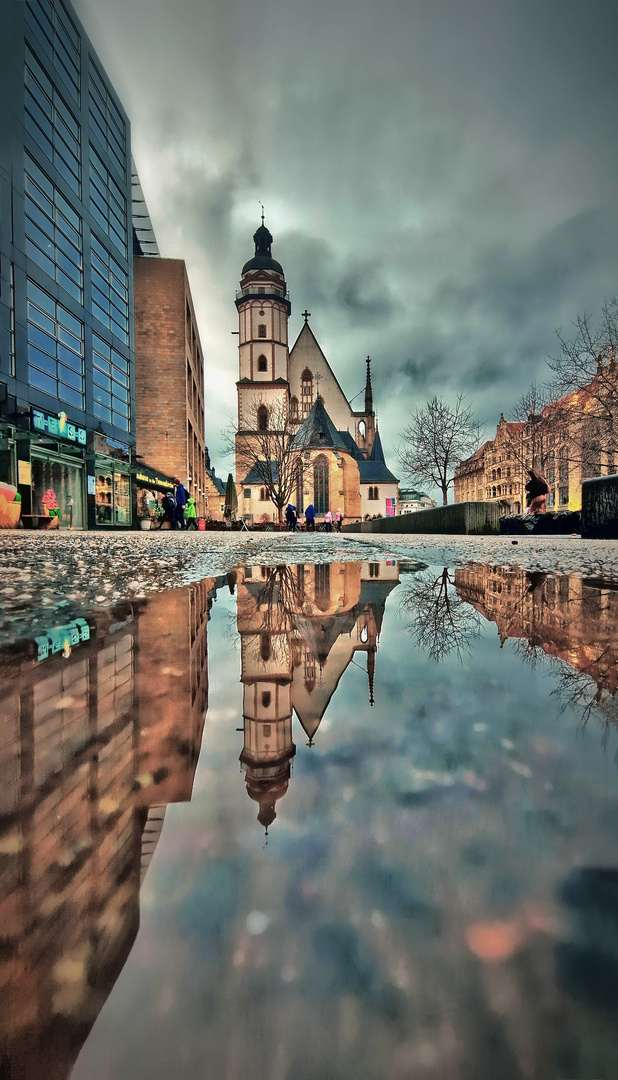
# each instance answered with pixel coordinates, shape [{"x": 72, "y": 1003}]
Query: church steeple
[{"x": 368, "y": 390}]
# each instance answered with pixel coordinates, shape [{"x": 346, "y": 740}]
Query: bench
[{"x": 39, "y": 521}]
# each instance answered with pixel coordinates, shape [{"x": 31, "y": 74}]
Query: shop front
[
  {"x": 151, "y": 485},
  {"x": 51, "y": 470},
  {"x": 111, "y": 483}
]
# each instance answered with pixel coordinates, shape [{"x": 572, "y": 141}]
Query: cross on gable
[{"x": 306, "y": 315}]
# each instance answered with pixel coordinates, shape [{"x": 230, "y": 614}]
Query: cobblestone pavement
[{"x": 47, "y": 578}]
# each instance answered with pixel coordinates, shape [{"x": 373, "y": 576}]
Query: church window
[
  {"x": 265, "y": 699},
  {"x": 262, "y": 330},
  {"x": 300, "y": 494},
  {"x": 362, "y": 431},
  {"x": 261, "y": 290},
  {"x": 306, "y": 391},
  {"x": 294, "y": 408},
  {"x": 247, "y": 493},
  {"x": 364, "y": 634},
  {"x": 493, "y": 492},
  {"x": 322, "y": 586},
  {"x": 264, "y": 647},
  {"x": 263, "y": 495},
  {"x": 262, "y": 365},
  {"x": 320, "y": 484},
  {"x": 262, "y": 418},
  {"x": 374, "y": 569},
  {"x": 267, "y": 731},
  {"x": 373, "y": 493}
]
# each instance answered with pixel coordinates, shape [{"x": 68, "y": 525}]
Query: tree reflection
[{"x": 440, "y": 621}]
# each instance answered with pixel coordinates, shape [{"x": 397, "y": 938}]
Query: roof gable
[{"x": 318, "y": 430}]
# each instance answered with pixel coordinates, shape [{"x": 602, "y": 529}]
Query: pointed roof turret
[
  {"x": 318, "y": 430},
  {"x": 377, "y": 453},
  {"x": 368, "y": 390}
]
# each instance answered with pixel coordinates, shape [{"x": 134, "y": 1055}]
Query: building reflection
[
  {"x": 569, "y": 618},
  {"x": 100, "y": 728},
  {"x": 300, "y": 627}
]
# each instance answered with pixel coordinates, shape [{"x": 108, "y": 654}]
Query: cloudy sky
[{"x": 439, "y": 177}]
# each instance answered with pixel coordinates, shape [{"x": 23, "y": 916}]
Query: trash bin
[{"x": 201, "y": 524}]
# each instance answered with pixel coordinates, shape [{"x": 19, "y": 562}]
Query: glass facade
[
  {"x": 106, "y": 122},
  {"x": 110, "y": 291},
  {"x": 57, "y": 37},
  {"x": 108, "y": 205},
  {"x": 51, "y": 123},
  {"x": 55, "y": 348},
  {"x": 53, "y": 232},
  {"x": 110, "y": 376},
  {"x": 112, "y": 495}
]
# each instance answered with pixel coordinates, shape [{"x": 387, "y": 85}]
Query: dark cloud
[{"x": 440, "y": 178}]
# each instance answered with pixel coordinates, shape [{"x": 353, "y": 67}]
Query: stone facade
[{"x": 169, "y": 372}]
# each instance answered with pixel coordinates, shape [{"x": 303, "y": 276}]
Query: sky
[{"x": 439, "y": 177}]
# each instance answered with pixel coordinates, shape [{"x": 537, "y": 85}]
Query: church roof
[
  {"x": 262, "y": 260},
  {"x": 377, "y": 453},
  {"x": 317, "y": 430},
  {"x": 351, "y": 446},
  {"x": 375, "y": 472},
  {"x": 258, "y": 471}
]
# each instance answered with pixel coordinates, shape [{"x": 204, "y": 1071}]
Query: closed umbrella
[{"x": 231, "y": 498}]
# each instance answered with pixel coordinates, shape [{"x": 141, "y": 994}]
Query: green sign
[
  {"x": 59, "y": 426},
  {"x": 62, "y": 639}
]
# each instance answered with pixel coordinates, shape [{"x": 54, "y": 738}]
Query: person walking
[
  {"x": 191, "y": 514},
  {"x": 536, "y": 492},
  {"x": 328, "y": 521},
  {"x": 310, "y": 518},
  {"x": 290, "y": 517},
  {"x": 338, "y": 520},
  {"x": 181, "y": 501}
]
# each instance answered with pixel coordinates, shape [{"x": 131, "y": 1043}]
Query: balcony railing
[{"x": 257, "y": 291}]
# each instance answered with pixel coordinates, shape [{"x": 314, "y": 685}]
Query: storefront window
[
  {"x": 112, "y": 497},
  {"x": 65, "y": 481}
]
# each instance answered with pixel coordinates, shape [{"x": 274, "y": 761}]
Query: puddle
[{"x": 346, "y": 820}]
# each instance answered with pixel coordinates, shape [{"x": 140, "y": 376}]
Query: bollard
[{"x": 201, "y": 524}]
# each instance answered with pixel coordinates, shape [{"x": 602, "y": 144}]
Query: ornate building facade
[{"x": 343, "y": 465}]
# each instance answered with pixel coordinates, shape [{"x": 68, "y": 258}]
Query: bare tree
[
  {"x": 270, "y": 447},
  {"x": 437, "y": 439},
  {"x": 441, "y": 621}
]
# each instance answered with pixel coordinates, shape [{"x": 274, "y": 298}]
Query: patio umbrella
[{"x": 231, "y": 498}]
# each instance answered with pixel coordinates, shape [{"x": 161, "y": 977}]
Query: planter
[{"x": 144, "y": 524}]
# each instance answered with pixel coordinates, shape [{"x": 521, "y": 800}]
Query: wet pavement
[{"x": 353, "y": 819}]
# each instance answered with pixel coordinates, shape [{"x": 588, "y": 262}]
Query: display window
[
  {"x": 112, "y": 496},
  {"x": 58, "y": 490}
]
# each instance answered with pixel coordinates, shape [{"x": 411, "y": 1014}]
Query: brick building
[{"x": 169, "y": 376}]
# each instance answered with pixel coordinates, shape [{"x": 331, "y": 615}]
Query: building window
[
  {"x": 53, "y": 232},
  {"x": 322, "y": 586},
  {"x": 374, "y": 569},
  {"x": 320, "y": 484},
  {"x": 55, "y": 348},
  {"x": 106, "y": 121},
  {"x": 263, "y": 495},
  {"x": 247, "y": 493},
  {"x": 110, "y": 384},
  {"x": 266, "y": 699},
  {"x": 107, "y": 203},
  {"x": 58, "y": 39},
  {"x": 110, "y": 291},
  {"x": 262, "y": 365},
  {"x": 306, "y": 391},
  {"x": 264, "y": 647},
  {"x": 113, "y": 498},
  {"x": 262, "y": 330},
  {"x": 51, "y": 124},
  {"x": 294, "y": 408},
  {"x": 373, "y": 493},
  {"x": 262, "y": 418},
  {"x": 564, "y": 496}
]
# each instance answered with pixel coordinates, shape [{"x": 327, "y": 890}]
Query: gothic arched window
[
  {"x": 262, "y": 365},
  {"x": 306, "y": 391},
  {"x": 265, "y": 647},
  {"x": 320, "y": 484},
  {"x": 262, "y": 418},
  {"x": 266, "y": 698},
  {"x": 362, "y": 431},
  {"x": 294, "y": 408},
  {"x": 262, "y": 330}
]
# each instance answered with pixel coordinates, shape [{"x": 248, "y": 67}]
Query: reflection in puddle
[{"x": 436, "y": 894}]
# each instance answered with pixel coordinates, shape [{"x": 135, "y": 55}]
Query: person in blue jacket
[
  {"x": 181, "y": 501},
  {"x": 310, "y": 518}
]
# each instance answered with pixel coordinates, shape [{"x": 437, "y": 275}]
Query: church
[{"x": 282, "y": 390}]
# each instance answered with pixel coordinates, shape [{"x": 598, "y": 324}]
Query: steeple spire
[
  {"x": 368, "y": 390},
  {"x": 371, "y": 668}
]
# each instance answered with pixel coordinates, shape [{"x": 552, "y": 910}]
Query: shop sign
[
  {"x": 59, "y": 426},
  {"x": 161, "y": 481},
  {"x": 62, "y": 639},
  {"x": 24, "y": 472},
  {"x": 92, "y": 485}
]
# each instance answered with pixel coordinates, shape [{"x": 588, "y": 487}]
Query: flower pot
[{"x": 144, "y": 524}]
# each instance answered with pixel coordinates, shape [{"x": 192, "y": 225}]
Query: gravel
[{"x": 46, "y": 579}]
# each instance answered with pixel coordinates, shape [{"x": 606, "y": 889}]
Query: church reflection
[
  {"x": 300, "y": 627},
  {"x": 100, "y": 728}
]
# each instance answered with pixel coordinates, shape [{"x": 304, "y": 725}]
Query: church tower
[{"x": 263, "y": 357}]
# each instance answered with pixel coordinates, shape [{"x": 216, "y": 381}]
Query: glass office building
[{"x": 66, "y": 280}]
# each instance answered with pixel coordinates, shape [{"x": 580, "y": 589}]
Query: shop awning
[{"x": 152, "y": 478}]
